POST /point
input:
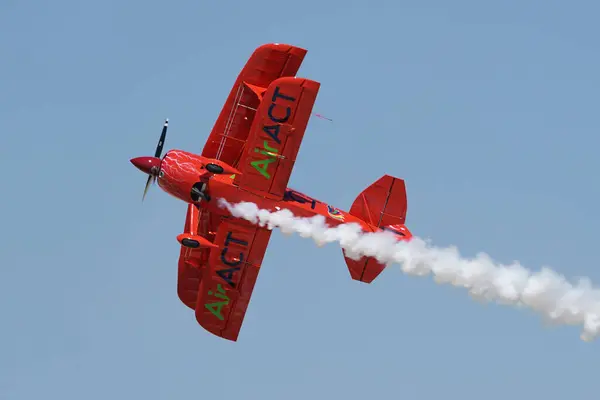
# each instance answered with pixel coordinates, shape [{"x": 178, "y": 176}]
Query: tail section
[{"x": 383, "y": 206}]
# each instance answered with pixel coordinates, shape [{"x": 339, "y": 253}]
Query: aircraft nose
[{"x": 145, "y": 164}]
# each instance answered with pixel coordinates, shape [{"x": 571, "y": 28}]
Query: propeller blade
[
  {"x": 148, "y": 182},
  {"x": 161, "y": 141},
  {"x": 143, "y": 165}
]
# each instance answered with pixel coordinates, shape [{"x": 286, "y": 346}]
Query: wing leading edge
[{"x": 218, "y": 283}]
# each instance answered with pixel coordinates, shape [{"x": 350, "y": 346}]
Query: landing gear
[
  {"x": 199, "y": 189},
  {"x": 199, "y": 192},
  {"x": 214, "y": 168}
]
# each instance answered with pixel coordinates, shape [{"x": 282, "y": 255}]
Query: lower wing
[{"x": 228, "y": 279}]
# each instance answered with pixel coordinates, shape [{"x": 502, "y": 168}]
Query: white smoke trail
[{"x": 545, "y": 292}]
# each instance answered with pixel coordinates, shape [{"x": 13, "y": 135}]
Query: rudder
[{"x": 383, "y": 204}]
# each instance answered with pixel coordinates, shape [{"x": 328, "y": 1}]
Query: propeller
[
  {"x": 150, "y": 180},
  {"x": 151, "y": 165},
  {"x": 161, "y": 141}
]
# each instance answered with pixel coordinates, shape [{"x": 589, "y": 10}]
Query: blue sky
[{"x": 488, "y": 110}]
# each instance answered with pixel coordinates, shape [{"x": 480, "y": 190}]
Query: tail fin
[{"x": 382, "y": 205}]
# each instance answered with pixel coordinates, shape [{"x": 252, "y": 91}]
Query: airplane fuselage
[{"x": 181, "y": 171}]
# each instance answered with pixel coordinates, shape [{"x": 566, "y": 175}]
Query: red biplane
[{"x": 249, "y": 156}]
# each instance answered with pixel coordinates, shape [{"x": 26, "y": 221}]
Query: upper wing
[
  {"x": 267, "y": 63},
  {"x": 228, "y": 280},
  {"x": 276, "y": 135}
]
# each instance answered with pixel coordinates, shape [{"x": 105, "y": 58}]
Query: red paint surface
[{"x": 217, "y": 279}]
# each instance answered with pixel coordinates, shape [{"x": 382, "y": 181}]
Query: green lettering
[
  {"x": 269, "y": 151},
  {"x": 215, "y": 308},
  {"x": 267, "y": 147},
  {"x": 262, "y": 165},
  {"x": 265, "y": 153}
]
